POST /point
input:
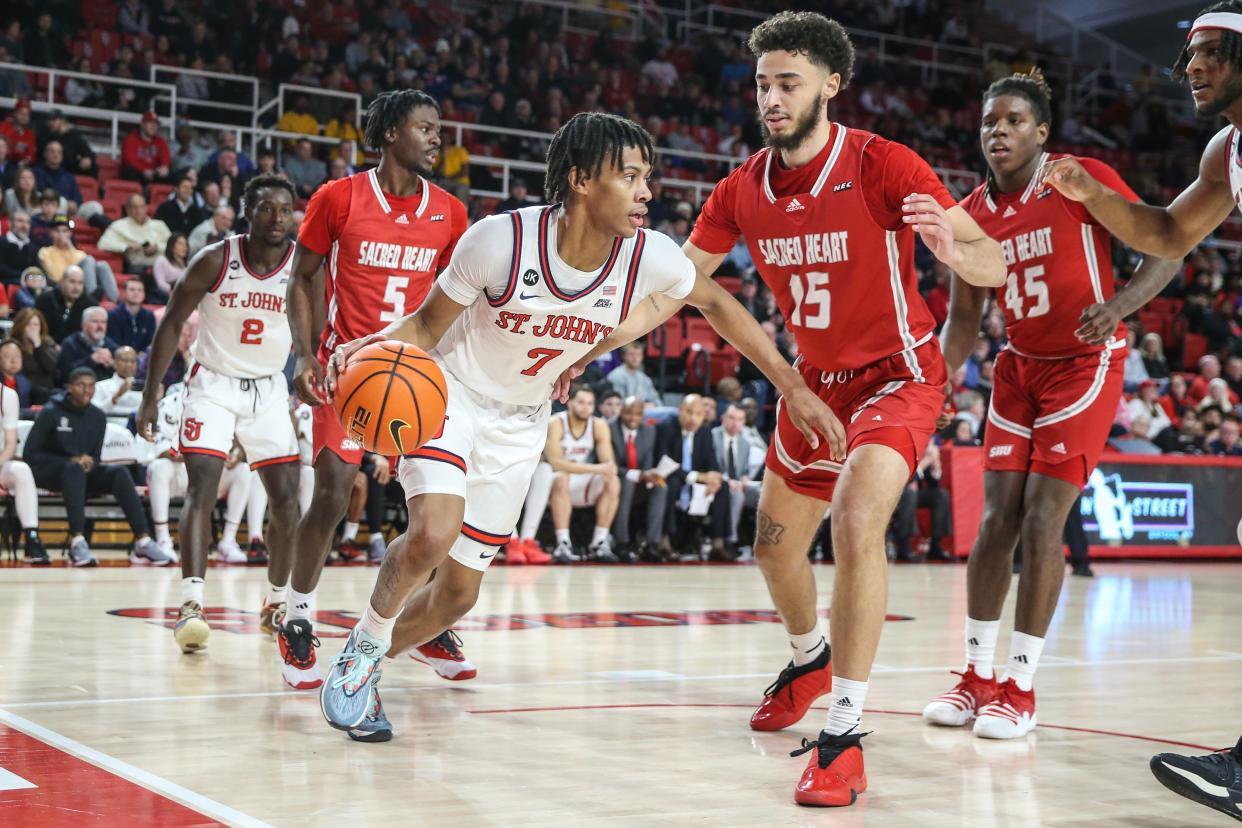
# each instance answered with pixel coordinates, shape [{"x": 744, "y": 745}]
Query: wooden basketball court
[{"x": 605, "y": 697}]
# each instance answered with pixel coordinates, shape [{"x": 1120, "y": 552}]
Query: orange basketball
[{"x": 391, "y": 398}]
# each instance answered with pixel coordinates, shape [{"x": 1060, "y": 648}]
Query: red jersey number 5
[{"x": 541, "y": 356}]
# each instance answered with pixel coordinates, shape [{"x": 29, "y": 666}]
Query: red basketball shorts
[
  {"x": 893, "y": 402},
  {"x": 1052, "y": 416},
  {"x": 327, "y": 433}
]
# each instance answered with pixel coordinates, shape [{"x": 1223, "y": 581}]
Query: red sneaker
[
  {"x": 834, "y": 776},
  {"x": 297, "y": 648},
  {"x": 535, "y": 553},
  {"x": 788, "y": 698},
  {"x": 515, "y": 552},
  {"x": 350, "y": 551},
  {"x": 1011, "y": 715},
  {"x": 961, "y": 704},
  {"x": 443, "y": 654}
]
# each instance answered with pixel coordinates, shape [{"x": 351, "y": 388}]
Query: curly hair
[
  {"x": 824, "y": 41},
  {"x": 1030, "y": 85},
  {"x": 1230, "y": 42},
  {"x": 262, "y": 182},
  {"x": 586, "y": 142},
  {"x": 389, "y": 111}
]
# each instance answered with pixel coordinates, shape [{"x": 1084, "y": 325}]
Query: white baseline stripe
[{"x": 148, "y": 780}]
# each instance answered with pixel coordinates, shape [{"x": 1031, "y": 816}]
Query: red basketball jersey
[
  {"x": 1059, "y": 260},
  {"x": 382, "y": 252},
  {"x": 832, "y": 249}
]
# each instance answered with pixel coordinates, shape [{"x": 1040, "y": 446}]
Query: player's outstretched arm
[
  {"x": 1099, "y": 322},
  {"x": 961, "y": 329},
  {"x": 200, "y": 276},
  {"x": 1166, "y": 232},
  {"x": 301, "y": 302},
  {"x": 956, "y": 239}
]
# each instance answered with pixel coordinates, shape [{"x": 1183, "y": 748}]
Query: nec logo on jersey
[
  {"x": 403, "y": 219},
  {"x": 794, "y": 206},
  {"x": 843, "y": 186},
  {"x": 1000, "y": 451},
  {"x": 530, "y": 278},
  {"x": 437, "y": 217}
]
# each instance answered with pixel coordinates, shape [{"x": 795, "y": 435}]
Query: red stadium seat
[
  {"x": 109, "y": 169},
  {"x": 157, "y": 194},
  {"x": 1194, "y": 346},
  {"x": 88, "y": 186},
  {"x": 12, "y": 293},
  {"x": 119, "y": 189},
  {"x": 84, "y": 233},
  {"x": 673, "y": 336},
  {"x": 730, "y": 283},
  {"x": 700, "y": 332}
]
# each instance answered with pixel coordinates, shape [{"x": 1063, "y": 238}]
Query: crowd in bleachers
[{"x": 81, "y": 229}]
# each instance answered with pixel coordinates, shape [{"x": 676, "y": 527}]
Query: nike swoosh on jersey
[{"x": 524, "y": 296}]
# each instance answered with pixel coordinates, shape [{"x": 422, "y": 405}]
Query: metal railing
[
  {"x": 177, "y": 72},
  {"x": 53, "y": 75}
]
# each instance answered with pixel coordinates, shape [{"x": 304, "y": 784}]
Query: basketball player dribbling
[
  {"x": 1211, "y": 65},
  {"x": 1054, "y": 396},
  {"x": 236, "y": 389},
  {"x": 526, "y": 294},
  {"x": 827, "y": 213},
  {"x": 379, "y": 238}
]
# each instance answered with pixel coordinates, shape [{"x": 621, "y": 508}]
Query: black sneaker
[
  {"x": 35, "y": 553},
  {"x": 1214, "y": 780},
  {"x": 256, "y": 553}
]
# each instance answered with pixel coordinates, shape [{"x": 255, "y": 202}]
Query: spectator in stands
[
  {"x": 170, "y": 267},
  {"x": 138, "y": 237},
  {"x": 24, "y": 194},
  {"x": 67, "y": 460},
  {"x": 40, "y": 353},
  {"x": 633, "y": 446},
  {"x": 337, "y": 169},
  {"x": 181, "y": 361},
  {"x": 734, "y": 454},
  {"x": 1152, "y": 349},
  {"x": 661, "y": 70},
  {"x": 144, "y": 152},
  {"x": 1209, "y": 369},
  {"x": 1219, "y": 395},
  {"x": 344, "y": 128},
  {"x": 710, "y": 411},
  {"x": 517, "y": 196},
  {"x": 1183, "y": 438},
  {"x": 61, "y": 254},
  {"x": 1135, "y": 370},
  {"x": 181, "y": 212},
  {"x": 63, "y": 305},
  {"x": 43, "y": 45},
  {"x": 18, "y": 251},
  {"x": 629, "y": 379},
  {"x": 191, "y": 152},
  {"x": 923, "y": 492},
  {"x": 609, "y": 406},
  {"x": 219, "y": 226},
  {"x": 226, "y": 141},
  {"x": 89, "y": 347},
  {"x": 266, "y": 162},
  {"x": 1147, "y": 403},
  {"x": 961, "y": 432},
  {"x": 1233, "y": 375},
  {"x": 129, "y": 323},
  {"x": 1136, "y": 441},
  {"x": 223, "y": 169},
  {"x": 193, "y": 87},
  {"x": 52, "y": 207},
  {"x": 8, "y": 167},
  {"x": 751, "y": 406},
  {"x": 453, "y": 169},
  {"x": 305, "y": 170},
  {"x": 684, "y": 439},
  {"x": 83, "y": 91},
  {"x": 1174, "y": 399},
  {"x": 21, "y": 136},
  {"x": 1226, "y": 442},
  {"x": 33, "y": 283},
  {"x": 13, "y": 82},
  {"x": 119, "y": 396},
  {"x": 298, "y": 119},
  {"x": 79, "y": 158},
  {"x": 51, "y": 174},
  {"x": 11, "y": 371},
  {"x": 134, "y": 18}
]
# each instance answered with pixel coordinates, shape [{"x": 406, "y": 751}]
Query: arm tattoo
[
  {"x": 767, "y": 530},
  {"x": 654, "y": 303}
]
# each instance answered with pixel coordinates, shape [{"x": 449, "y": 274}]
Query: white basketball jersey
[
  {"x": 529, "y": 315},
  {"x": 578, "y": 449},
  {"x": 243, "y": 328},
  {"x": 168, "y": 421},
  {"x": 1233, "y": 162}
]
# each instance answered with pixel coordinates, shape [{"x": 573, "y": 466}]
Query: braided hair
[
  {"x": 250, "y": 196},
  {"x": 1230, "y": 42},
  {"x": 1033, "y": 87},
  {"x": 389, "y": 111},
  {"x": 586, "y": 142}
]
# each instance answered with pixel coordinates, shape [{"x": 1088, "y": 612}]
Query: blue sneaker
[
  {"x": 375, "y": 727},
  {"x": 347, "y": 694}
]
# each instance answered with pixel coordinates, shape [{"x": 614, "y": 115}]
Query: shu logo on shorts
[
  {"x": 350, "y": 445},
  {"x": 530, "y": 278},
  {"x": 1000, "y": 451}
]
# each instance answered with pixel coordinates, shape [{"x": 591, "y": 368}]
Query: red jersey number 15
[{"x": 812, "y": 302}]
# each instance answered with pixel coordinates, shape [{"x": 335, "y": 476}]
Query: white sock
[
  {"x": 350, "y": 532},
  {"x": 562, "y": 536},
  {"x": 192, "y": 590},
  {"x": 377, "y": 626},
  {"x": 847, "y": 705},
  {"x": 276, "y": 594},
  {"x": 77, "y": 538},
  {"x": 230, "y": 531},
  {"x": 600, "y": 534},
  {"x": 981, "y": 645},
  {"x": 255, "y": 536},
  {"x": 301, "y": 605},
  {"x": 807, "y": 646},
  {"x": 1024, "y": 653},
  {"x": 161, "y": 532}
]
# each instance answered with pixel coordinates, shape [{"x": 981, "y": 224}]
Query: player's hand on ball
[
  {"x": 1099, "y": 323},
  {"x": 560, "y": 389},
  {"x": 307, "y": 380},
  {"x": 339, "y": 361},
  {"x": 1069, "y": 178},
  {"x": 931, "y": 222},
  {"x": 812, "y": 417}
]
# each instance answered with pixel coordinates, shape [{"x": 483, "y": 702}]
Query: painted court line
[{"x": 208, "y": 807}]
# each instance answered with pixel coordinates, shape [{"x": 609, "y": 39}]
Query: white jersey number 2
[{"x": 394, "y": 297}]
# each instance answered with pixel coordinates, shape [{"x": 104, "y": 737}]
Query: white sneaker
[
  {"x": 1011, "y": 715},
  {"x": 147, "y": 551},
  {"x": 80, "y": 554},
  {"x": 166, "y": 546},
  {"x": 602, "y": 552},
  {"x": 564, "y": 552},
  {"x": 227, "y": 551}
]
